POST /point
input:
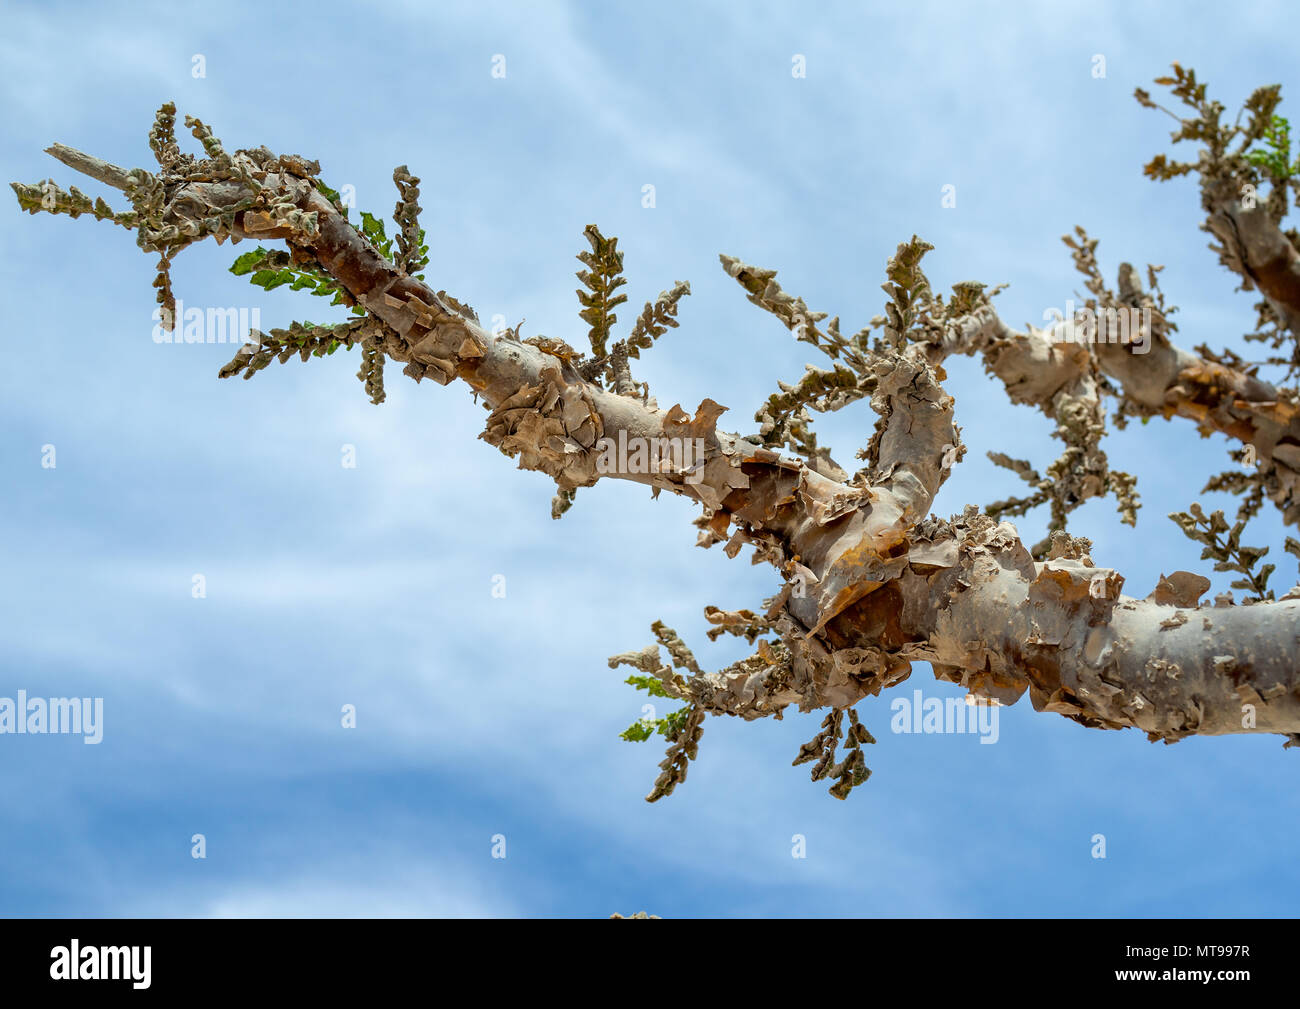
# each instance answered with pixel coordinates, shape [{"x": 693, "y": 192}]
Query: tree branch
[{"x": 872, "y": 582}]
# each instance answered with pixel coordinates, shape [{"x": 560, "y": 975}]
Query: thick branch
[
  {"x": 102, "y": 171},
  {"x": 873, "y": 583},
  {"x": 1038, "y": 366}
]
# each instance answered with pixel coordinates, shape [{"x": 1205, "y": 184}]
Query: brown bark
[{"x": 873, "y": 582}]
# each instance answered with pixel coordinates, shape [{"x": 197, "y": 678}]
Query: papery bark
[{"x": 873, "y": 583}]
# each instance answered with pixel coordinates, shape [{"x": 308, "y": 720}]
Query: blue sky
[{"x": 372, "y": 586}]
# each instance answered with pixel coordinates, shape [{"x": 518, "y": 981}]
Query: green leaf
[
  {"x": 279, "y": 278},
  {"x": 639, "y": 731},
  {"x": 372, "y": 227},
  {"x": 673, "y": 723},
  {"x": 649, "y": 684},
  {"x": 248, "y": 261}
]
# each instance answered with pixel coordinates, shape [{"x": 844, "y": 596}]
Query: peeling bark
[
  {"x": 872, "y": 581},
  {"x": 1048, "y": 369}
]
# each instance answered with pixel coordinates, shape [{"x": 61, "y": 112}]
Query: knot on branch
[{"x": 551, "y": 426}]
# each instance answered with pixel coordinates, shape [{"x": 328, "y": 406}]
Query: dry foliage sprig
[
  {"x": 1082, "y": 471},
  {"x": 656, "y": 318},
  {"x": 150, "y": 195},
  {"x": 784, "y": 419},
  {"x": 1246, "y": 483},
  {"x": 412, "y": 252},
  {"x": 742, "y": 623},
  {"x": 1226, "y": 551},
  {"x": 1237, "y": 160},
  {"x": 913, "y": 314},
  {"x": 684, "y": 745},
  {"x": 848, "y": 773},
  {"x": 371, "y": 371},
  {"x": 602, "y": 278},
  {"x": 304, "y": 339},
  {"x": 908, "y": 289},
  {"x": 767, "y": 672}
]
